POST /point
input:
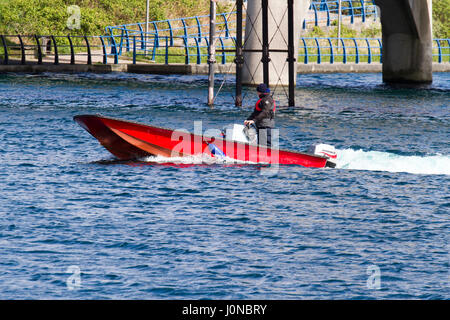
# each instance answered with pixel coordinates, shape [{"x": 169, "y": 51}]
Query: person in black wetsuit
[{"x": 263, "y": 116}]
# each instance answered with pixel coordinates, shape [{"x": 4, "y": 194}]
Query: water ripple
[{"x": 140, "y": 229}]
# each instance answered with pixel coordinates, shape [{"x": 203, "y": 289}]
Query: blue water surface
[{"x": 75, "y": 224}]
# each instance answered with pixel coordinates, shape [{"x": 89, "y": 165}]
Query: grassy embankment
[
  {"x": 53, "y": 17},
  {"x": 47, "y": 17},
  {"x": 441, "y": 28}
]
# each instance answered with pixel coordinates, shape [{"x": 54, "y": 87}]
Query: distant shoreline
[{"x": 187, "y": 69}]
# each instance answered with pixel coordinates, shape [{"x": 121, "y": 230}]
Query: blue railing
[
  {"x": 72, "y": 49},
  {"x": 325, "y": 12},
  {"x": 441, "y": 50},
  {"x": 170, "y": 29},
  {"x": 191, "y": 49},
  {"x": 345, "y": 50},
  {"x": 187, "y": 50},
  {"x": 311, "y": 50},
  {"x": 363, "y": 8}
]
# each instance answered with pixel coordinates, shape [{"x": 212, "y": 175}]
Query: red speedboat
[{"x": 130, "y": 140}]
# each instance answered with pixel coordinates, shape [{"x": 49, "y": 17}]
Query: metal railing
[
  {"x": 345, "y": 50},
  {"x": 442, "y": 50},
  {"x": 311, "y": 50},
  {"x": 364, "y": 9},
  {"x": 198, "y": 26},
  {"x": 38, "y": 49},
  {"x": 171, "y": 29},
  {"x": 182, "y": 49}
]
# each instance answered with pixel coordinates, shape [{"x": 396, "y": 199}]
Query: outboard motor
[
  {"x": 241, "y": 133},
  {"x": 327, "y": 151}
]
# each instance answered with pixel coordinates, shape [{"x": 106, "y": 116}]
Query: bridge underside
[{"x": 407, "y": 40}]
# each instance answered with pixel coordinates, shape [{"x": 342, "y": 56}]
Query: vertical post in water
[
  {"x": 239, "y": 54},
  {"x": 265, "y": 40},
  {"x": 146, "y": 27},
  {"x": 339, "y": 23},
  {"x": 291, "y": 53},
  {"x": 212, "y": 51}
]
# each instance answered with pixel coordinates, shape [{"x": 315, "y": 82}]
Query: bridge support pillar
[
  {"x": 252, "y": 72},
  {"x": 407, "y": 40}
]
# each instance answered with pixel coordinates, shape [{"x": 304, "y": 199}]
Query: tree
[{"x": 441, "y": 18}]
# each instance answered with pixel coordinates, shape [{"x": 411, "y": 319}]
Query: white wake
[
  {"x": 196, "y": 159},
  {"x": 385, "y": 161},
  {"x": 347, "y": 159}
]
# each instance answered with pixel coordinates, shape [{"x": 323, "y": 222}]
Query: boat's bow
[{"x": 106, "y": 135}]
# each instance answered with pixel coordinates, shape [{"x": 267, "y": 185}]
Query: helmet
[{"x": 262, "y": 88}]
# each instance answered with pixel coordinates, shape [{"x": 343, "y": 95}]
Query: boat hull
[{"x": 129, "y": 140}]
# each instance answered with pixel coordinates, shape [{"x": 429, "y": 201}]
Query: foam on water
[
  {"x": 195, "y": 159},
  {"x": 391, "y": 162},
  {"x": 347, "y": 159}
]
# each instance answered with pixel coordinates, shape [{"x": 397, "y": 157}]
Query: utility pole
[
  {"x": 291, "y": 53},
  {"x": 339, "y": 23},
  {"x": 212, "y": 51},
  {"x": 239, "y": 53},
  {"x": 146, "y": 25},
  {"x": 265, "y": 41}
]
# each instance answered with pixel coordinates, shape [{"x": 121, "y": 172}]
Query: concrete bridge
[
  {"x": 406, "y": 31},
  {"x": 407, "y": 40}
]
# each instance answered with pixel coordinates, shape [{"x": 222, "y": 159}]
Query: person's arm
[{"x": 254, "y": 114}]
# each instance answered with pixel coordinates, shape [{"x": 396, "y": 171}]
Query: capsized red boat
[{"x": 129, "y": 140}]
